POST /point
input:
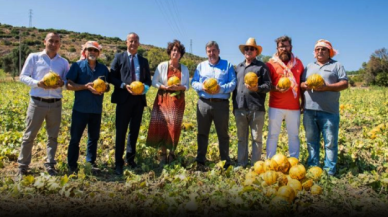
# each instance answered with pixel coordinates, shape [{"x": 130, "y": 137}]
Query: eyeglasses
[
  {"x": 323, "y": 49},
  {"x": 249, "y": 48},
  {"x": 90, "y": 49},
  {"x": 284, "y": 47}
]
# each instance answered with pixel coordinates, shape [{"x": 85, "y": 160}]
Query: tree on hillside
[
  {"x": 263, "y": 58},
  {"x": 155, "y": 56},
  {"x": 376, "y": 70}
]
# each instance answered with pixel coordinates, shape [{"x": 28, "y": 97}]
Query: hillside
[{"x": 72, "y": 41}]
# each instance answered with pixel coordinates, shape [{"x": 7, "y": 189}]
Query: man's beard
[
  {"x": 92, "y": 58},
  {"x": 285, "y": 56}
]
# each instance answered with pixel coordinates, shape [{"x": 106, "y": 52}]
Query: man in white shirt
[{"x": 45, "y": 102}]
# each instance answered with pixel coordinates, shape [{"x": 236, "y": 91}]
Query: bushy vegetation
[{"x": 360, "y": 188}]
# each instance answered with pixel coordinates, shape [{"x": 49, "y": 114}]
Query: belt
[
  {"x": 52, "y": 100},
  {"x": 214, "y": 100}
]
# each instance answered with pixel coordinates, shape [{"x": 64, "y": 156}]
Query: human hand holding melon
[
  {"x": 135, "y": 88},
  {"x": 251, "y": 81},
  {"x": 90, "y": 87},
  {"x": 283, "y": 85},
  {"x": 51, "y": 80},
  {"x": 211, "y": 86}
]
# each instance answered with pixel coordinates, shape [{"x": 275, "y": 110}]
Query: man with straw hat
[
  {"x": 284, "y": 103},
  {"x": 321, "y": 109},
  {"x": 87, "y": 107},
  {"x": 248, "y": 102}
]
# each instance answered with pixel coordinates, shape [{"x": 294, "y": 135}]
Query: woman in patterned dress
[{"x": 167, "y": 112}]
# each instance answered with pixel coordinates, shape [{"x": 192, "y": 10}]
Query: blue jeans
[
  {"x": 315, "y": 123},
  {"x": 78, "y": 124}
]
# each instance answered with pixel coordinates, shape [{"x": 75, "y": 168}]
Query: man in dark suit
[{"x": 127, "y": 67}]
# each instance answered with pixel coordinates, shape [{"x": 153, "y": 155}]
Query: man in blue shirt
[
  {"x": 213, "y": 106},
  {"x": 87, "y": 107}
]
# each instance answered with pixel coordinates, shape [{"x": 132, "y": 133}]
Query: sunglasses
[
  {"x": 92, "y": 49},
  {"x": 249, "y": 48}
]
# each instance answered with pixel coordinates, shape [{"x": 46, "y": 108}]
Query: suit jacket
[{"x": 120, "y": 73}]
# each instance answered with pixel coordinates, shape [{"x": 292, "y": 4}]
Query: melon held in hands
[
  {"x": 173, "y": 80},
  {"x": 211, "y": 85},
  {"x": 51, "y": 79},
  {"x": 99, "y": 85},
  {"x": 284, "y": 83},
  {"x": 315, "y": 81},
  {"x": 251, "y": 79},
  {"x": 137, "y": 87}
]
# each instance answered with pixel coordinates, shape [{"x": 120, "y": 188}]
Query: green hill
[{"x": 32, "y": 41}]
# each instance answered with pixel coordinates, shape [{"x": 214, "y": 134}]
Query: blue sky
[{"x": 355, "y": 27}]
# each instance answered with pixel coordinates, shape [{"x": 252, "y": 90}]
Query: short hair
[
  {"x": 177, "y": 44},
  {"x": 54, "y": 33},
  {"x": 283, "y": 38},
  {"x": 211, "y": 44},
  {"x": 133, "y": 33}
]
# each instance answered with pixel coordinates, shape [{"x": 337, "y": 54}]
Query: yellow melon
[
  {"x": 251, "y": 79},
  {"x": 270, "y": 164},
  {"x": 307, "y": 183},
  {"x": 137, "y": 87},
  {"x": 315, "y": 81},
  {"x": 314, "y": 173},
  {"x": 270, "y": 177},
  {"x": 295, "y": 184},
  {"x": 99, "y": 85},
  {"x": 284, "y": 83},
  {"x": 50, "y": 79},
  {"x": 293, "y": 161},
  {"x": 282, "y": 162},
  {"x": 286, "y": 192},
  {"x": 211, "y": 85},
  {"x": 173, "y": 80},
  {"x": 258, "y": 167},
  {"x": 297, "y": 172},
  {"x": 315, "y": 190}
]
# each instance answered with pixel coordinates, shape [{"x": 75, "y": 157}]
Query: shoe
[
  {"x": 162, "y": 157},
  {"x": 95, "y": 167},
  {"x": 227, "y": 165},
  {"x": 22, "y": 172},
  {"x": 132, "y": 164},
  {"x": 73, "y": 171},
  {"x": 171, "y": 157},
  {"x": 119, "y": 170},
  {"x": 50, "y": 169},
  {"x": 201, "y": 167}
]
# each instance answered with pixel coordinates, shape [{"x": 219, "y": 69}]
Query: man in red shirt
[{"x": 284, "y": 104}]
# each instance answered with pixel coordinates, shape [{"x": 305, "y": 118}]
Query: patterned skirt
[{"x": 166, "y": 120}]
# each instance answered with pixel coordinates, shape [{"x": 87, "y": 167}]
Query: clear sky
[{"x": 355, "y": 27}]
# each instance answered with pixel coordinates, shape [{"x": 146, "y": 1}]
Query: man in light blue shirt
[
  {"x": 213, "y": 106},
  {"x": 45, "y": 103}
]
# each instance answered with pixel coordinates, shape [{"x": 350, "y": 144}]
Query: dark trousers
[
  {"x": 79, "y": 121},
  {"x": 129, "y": 113},
  {"x": 207, "y": 112}
]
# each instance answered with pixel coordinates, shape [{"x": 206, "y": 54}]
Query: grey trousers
[
  {"x": 246, "y": 119},
  {"x": 207, "y": 112},
  {"x": 37, "y": 112}
]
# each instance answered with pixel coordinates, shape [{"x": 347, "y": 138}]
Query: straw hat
[{"x": 251, "y": 42}]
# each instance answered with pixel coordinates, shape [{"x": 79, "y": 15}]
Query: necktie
[{"x": 133, "y": 74}]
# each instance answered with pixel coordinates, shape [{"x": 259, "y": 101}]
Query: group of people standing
[{"x": 319, "y": 106}]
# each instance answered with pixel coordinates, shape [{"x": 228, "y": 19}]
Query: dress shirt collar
[
  {"x": 44, "y": 53},
  {"x": 219, "y": 60},
  {"x": 129, "y": 54}
]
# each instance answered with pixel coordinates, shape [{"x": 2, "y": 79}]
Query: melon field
[{"x": 359, "y": 189}]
